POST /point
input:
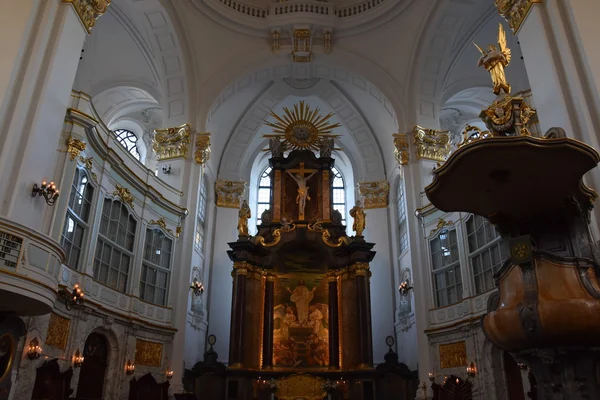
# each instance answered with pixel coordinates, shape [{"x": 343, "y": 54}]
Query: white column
[{"x": 41, "y": 43}]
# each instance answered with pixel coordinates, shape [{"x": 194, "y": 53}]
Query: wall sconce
[
  {"x": 404, "y": 288},
  {"x": 72, "y": 299},
  {"x": 77, "y": 359},
  {"x": 431, "y": 377},
  {"x": 522, "y": 366},
  {"x": 166, "y": 169},
  {"x": 169, "y": 374},
  {"x": 197, "y": 287},
  {"x": 471, "y": 370},
  {"x": 129, "y": 367},
  {"x": 48, "y": 191},
  {"x": 35, "y": 351}
]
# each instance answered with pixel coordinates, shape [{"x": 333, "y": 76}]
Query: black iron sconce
[
  {"x": 197, "y": 287},
  {"x": 404, "y": 288},
  {"x": 72, "y": 299},
  {"x": 47, "y": 191},
  {"x": 167, "y": 169}
]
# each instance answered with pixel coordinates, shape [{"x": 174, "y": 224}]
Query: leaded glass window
[
  {"x": 200, "y": 217},
  {"x": 402, "y": 220},
  {"x": 264, "y": 194},
  {"x": 156, "y": 267},
  {"x": 447, "y": 278},
  {"x": 128, "y": 140},
  {"x": 339, "y": 193}
]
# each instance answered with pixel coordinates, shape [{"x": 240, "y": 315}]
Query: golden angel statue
[
  {"x": 495, "y": 61},
  {"x": 243, "y": 215},
  {"x": 359, "y": 216}
]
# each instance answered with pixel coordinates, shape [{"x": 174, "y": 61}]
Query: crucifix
[{"x": 298, "y": 175}]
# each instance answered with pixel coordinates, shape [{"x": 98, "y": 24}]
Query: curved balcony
[{"x": 29, "y": 266}]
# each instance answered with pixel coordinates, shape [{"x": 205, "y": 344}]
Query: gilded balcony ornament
[
  {"x": 375, "y": 194},
  {"x": 162, "y": 224},
  {"x": 172, "y": 142},
  {"x": 431, "y": 144},
  {"x": 88, "y": 11},
  {"x": 401, "y": 148},
  {"x": 124, "y": 194},
  {"x": 495, "y": 59},
  {"x": 178, "y": 231},
  {"x": 442, "y": 223},
  {"x": 202, "y": 154},
  {"x": 515, "y": 11},
  {"x": 74, "y": 147},
  {"x": 87, "y": 163},
  {"x": 302, "y": 45},
  {"x": 229, "y": 193}
]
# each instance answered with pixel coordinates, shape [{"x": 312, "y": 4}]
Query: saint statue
[
  {"x": 359, "y": 216},
  {"x": 243, "y": 215},
  {"x": 495, "y": 61},
  {"x": 276, "y": 147},
  {"x": 302, "y": 190},
  {"x": 326, "y": 147},
  {"x": 302, "y": 297}
]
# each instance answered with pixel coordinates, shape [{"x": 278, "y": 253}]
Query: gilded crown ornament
[
  {"x": 495, "y": 59},
  {"x": 302, "y": 128}
]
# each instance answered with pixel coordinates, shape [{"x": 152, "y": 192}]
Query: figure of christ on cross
[{"x": 298, "y": 175}]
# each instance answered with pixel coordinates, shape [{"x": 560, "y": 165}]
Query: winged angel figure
[{"x": 495, "y": 61}]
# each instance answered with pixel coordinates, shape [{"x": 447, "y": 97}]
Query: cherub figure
[{"x": 495, "y": 61}]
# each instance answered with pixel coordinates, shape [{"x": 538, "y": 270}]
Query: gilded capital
[
  {"x": 431, "y": 144},
  {"x": 375, "y": 194},
  {"x": 172, "y": 142},
  {"x": 202, "y": 153},
  {"x": 401, "y": 148},
  {"x": 331, "y": 277},
  {"x": 74, "y": 147},
  {"x": 88, "y": 11},
  {"x": 515, "y": 11},
  {"x": 229, "y": 193},
  {"x": 360, "y": 269}
]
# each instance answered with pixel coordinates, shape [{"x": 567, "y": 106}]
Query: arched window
[
  {"x": 339, "y": 193},
  {"x": 129, "y": 140},
  {"x": 200, "y": 217},
  {"x": 402, "y": 222},
  {"x": 264, "y": 194},
  {"x": 486, "y": 252},
  {"x": 114, "y": 249},
  {"x": 156, "y": 268},
  {"x": 447, "y": 279},
  {"x": 77, "y": 220}
]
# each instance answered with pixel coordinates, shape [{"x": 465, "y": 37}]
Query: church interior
[{"x": 299, "y": 200}]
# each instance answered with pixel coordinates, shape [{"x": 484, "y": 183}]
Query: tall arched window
[
  {"x": 77, "y": 221},
  {"x": 447, "y": 279},
  {"x": 402, "y": 222},
  {"x": 264, "y": 194},
  {"x": 114, "y": 250},
  {"x": 339, "y": 193},
  {"x": 156, "y": 267},
  {"x": 129, "y": 140},
  {"x": 200, "y": 217}
]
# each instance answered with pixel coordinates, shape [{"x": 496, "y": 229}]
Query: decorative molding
[
  {"x": 162, "y": 224},
  {"x": 453, "y": 355},
  {"x": 74, "y": 147},
  {"x": 401, "y": 148},
  {"x": 124, "y": 194},
  {"x": 431, "y": 144},
  {"x": 148, "y": 353},
  {"x": 87, "y": 163},
  {"x": 178, "y": 231},
  {"x": 229, "y": 193},
  {"x": 58, "y": 331},
  {"x": 302, "y": 46},
  {"x": 441, "y": 224},
  {"x": 375, "y": 194},
  {"x": 172, "y": 142},
  {"x": 515, "y": 11},
  {"x": 202, "y": 154},
  {"x": 275, "y": 41},
  {"x": 88, "y": 11}
]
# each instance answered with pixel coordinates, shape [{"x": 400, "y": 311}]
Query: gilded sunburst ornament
[{"x": 301, "y": 128}]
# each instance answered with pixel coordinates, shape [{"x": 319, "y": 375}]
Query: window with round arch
[
  {"x": 128, "y": 140},
  {"x": 264, "y": 194},
  {"x": 339, "y": 193}
]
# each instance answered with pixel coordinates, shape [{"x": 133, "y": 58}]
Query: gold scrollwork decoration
[
  {"x": 87, "y": 163},
  {"x": 401, "y": 148},
  {"x": 88, "y": 11},
  {"x": 296, "y": 387},
  {"x": 178, "y": 231},
  {"x": 74, "y": 147},
  {"x": 317, "y": 226},
  {"x": 509, "y": 116},
  {"x": 58, "y": 331},
  {"x": 148, "y": 353},
  {"x": 375, "y": 194},
  {"x": 441, "y": 224},
  {"x": 172, "y": 142},
  {"x": 202, "y": 154},
  {"x": 431, "y": 144},
  {"x": 229, "y": 193},
  {"x": 161, "y": 223},
  {"x": 124, "y": 194},
  {"x": 515, "y": 11},
  {"x": 276, "y": 236}
]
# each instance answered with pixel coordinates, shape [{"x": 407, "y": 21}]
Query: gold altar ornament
[
  {"x": 375, "y": 194},
  {"x": 148, "y": 353},
  {"x": 515, "y": 11},
  {"x": 431, "y": 144},
  {"x": 244, "y": 215},
  {"x": 360, "y": 219},
  {"x": 202, "y": 154},
  {"x": 229, "y": 193},
  {"x": 88, "y": 11},
  {"x": 495, "y": 60},
  {"x": 296, "y": 387},
  {"x": 124, "y": 194},
  {"x": 74, "y": 147},
  {"x": 58, "y": 331},
  {"x": 401, "y": 148},
  {"x": 172, "y": 142},
  {"x": 302, "y": 128},
  {"x": 453, "y": 355}
]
